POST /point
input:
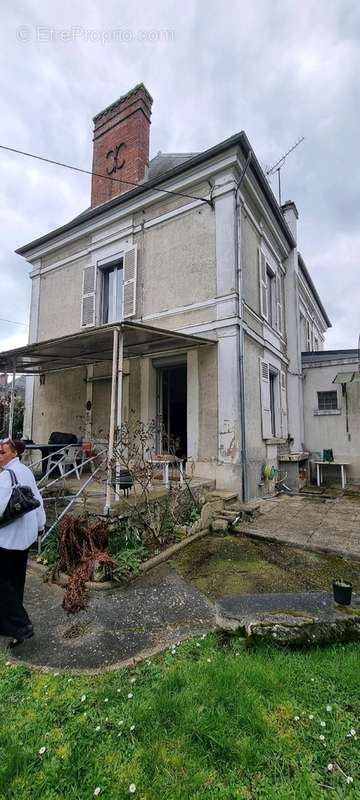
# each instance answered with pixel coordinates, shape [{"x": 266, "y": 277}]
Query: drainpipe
[{"x": 244, "y": 461}]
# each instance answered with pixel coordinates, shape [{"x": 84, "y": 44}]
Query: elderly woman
[{"x": 16, "y": 539}]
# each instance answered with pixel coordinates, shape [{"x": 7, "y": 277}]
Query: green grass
[{"x": 211, "y": 721}]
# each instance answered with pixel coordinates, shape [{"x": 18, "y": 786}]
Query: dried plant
[
  {"x": 135, "y": 455},
  {"x": 81, "y": 546}
]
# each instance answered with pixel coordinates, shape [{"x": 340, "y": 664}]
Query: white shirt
[{"x": 21, "y": 533}]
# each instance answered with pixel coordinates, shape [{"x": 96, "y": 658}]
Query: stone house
[{"x": 194, "y": 255}]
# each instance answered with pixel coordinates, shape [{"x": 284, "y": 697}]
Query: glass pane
[
  {"x": 119, "y": 294},
  {"x": 111, "y": 278},
  {"x": 327, "y": 401},
  {"x": 105, "y": 300}
]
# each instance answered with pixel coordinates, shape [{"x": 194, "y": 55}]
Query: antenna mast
[{"x": 279, "y": 164}]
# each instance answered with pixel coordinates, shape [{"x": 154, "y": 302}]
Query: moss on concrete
[{"x": 220, "y": 566}]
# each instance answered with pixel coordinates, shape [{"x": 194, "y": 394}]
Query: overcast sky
[{"x": 278, "y": 69}]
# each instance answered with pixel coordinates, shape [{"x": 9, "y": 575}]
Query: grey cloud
[{"x": 277, "y": 70}]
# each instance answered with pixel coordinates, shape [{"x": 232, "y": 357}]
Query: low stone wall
[{"x": 290, "y": 619}]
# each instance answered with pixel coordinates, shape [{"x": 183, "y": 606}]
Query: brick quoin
[{"x": 121, "y": 144}]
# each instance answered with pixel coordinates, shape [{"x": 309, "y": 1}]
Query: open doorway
[{"x": 172, "y": 407}]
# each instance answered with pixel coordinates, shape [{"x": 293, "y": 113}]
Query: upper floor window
[
  {"x": 327, "y": 401},
  {"x": 109, "y": 289},
  {"x": 271, "y": 294},
  {"x": 112, "y": 293}
]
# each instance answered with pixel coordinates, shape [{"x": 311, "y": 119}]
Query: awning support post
[
  {"x": 12, "y": 401},
  {"x": 114, "y": 377},
  {"x": 119, "y": 404}
]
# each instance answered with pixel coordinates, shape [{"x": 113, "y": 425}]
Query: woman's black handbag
[{"x": 21, "y": 501}]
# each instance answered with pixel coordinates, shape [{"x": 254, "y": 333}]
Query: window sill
[
  {"x": 272, "y": 328},
  {"x": 276, "y": 440},
  {"x": 327, "y": 412}
]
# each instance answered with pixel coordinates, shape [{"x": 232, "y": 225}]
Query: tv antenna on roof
[{"x": 277, "y": 167}]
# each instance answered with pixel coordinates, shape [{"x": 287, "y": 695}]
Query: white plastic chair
[{"x": 67, "y": 461}]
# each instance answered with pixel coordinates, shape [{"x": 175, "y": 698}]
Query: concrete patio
[{"x": 314, "y": 521}]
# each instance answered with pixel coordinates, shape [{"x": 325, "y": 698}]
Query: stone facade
[{"x": 211, "y": 260}]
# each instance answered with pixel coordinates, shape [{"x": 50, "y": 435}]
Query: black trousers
[{"x": 13, "y": 616}]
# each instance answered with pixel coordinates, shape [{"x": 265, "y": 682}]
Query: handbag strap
[{"x": 14, "y": 481}]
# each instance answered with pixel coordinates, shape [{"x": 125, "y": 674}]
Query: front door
[{"x": 172, "y": 408}]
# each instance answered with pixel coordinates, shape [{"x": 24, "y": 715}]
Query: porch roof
[{"x": 95, "y": 345}]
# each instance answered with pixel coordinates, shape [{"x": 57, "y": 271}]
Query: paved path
[
  {"x": 331, "y": 526},
  {"x": 119, "y": 625}
]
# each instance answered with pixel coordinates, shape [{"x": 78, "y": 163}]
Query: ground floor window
[
  {"x": 327, "y": 401},
  {"x": 273, "y": 378}
]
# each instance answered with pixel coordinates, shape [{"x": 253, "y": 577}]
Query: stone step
[
  {"x": 304, "y": 618},
  {"x": 226, "y": 496},
  {"x": 251, "y": 505},
  {"x": 243, "y": 514},
  {"x": 228, "y": 514},
  {"x": 220, "y": 525}
]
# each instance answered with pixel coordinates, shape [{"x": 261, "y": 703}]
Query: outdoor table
[
  {"x": 45, "y": 450},
  {"x": 165, "y": 461},
  {"x": 321, "y": 464}
]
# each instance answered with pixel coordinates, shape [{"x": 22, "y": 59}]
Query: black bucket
[{"x": 342, "y": 593}]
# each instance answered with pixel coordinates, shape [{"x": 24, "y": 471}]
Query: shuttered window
[
  {"x": 271, "y": 295},
  {"x": 265, "y": 399},
  {"x": 130, "y": 272},
  {"x": 117, "y": 290},
  {"x": 283, "y": 399},
  {"x": 88, "y": 297},
  {"x": 279, "y": 303},
  {"x": 263, "y": 285}
]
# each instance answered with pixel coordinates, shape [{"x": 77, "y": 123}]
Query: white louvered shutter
[
  {"x": 279, "y": 311},
  {"x": 308, "y": 335},
  {"x": 130, "y": 270},
  {"x": 263, "y": 284},
  {"x": 265, "y": 399},
  {"x": 283, "y": 397},
  {"x": 88, "y": 297}
]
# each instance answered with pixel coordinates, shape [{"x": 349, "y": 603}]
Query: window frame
[
  {"x": 272, "y": 392},
  {"x": 327, "y": 407},
  {"x": 270, "y": 294},
  {"x": 115, "y": 265},
  {"x": 271, "y": 290}
]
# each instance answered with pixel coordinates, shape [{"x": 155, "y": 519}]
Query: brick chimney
[{"x": 121, "y": 144}]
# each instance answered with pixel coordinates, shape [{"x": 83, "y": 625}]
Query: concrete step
[
  {"x": 246, "y": 512},
  {"x": 227, "y": 497}
]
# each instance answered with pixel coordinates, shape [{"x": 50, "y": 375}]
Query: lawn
[{"x": 207, "y": 719}]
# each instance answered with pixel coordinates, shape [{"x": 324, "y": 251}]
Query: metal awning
[
  {"x": 95, "y": 345},
  {"x": 347, "y": 377}
]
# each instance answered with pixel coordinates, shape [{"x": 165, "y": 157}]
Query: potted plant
[{"x": 342, "y": 591}]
